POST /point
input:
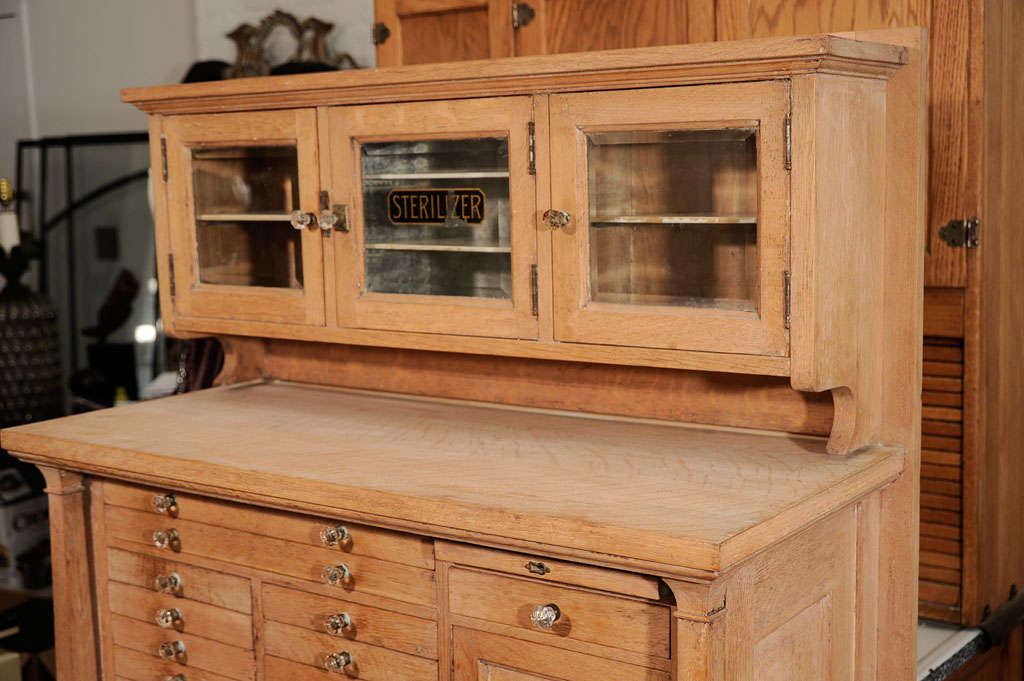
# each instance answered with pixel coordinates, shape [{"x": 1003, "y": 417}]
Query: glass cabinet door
[
  {"x": 243, "y": 189},
  {"x": 440, "y": 201},
  {"x": 669, "y": 217}
]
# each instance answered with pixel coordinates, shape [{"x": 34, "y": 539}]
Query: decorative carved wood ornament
[{"x": 310, "y": 37}]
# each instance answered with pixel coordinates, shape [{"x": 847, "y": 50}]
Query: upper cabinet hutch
[{"x": 472, "y": 317}]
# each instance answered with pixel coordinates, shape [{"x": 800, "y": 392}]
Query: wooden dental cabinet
[{"x": 515, "y": 358}]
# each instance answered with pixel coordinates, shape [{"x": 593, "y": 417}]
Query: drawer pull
[
  {"x": 164, "y": 539},
  {"x": 537, "y": 567},
  {"x": 337, "y": 574},
  {"x": 336, "y": 625},
  {"x": 166, "y": 503},
  {"x": 169, "y": 584},
  {"x": 339, "y": 663},
  {"x": 301, "y": 219},
  {"x": 545, "y": 616},
  {"x": 170, "y": 618},
  {"x": 172, "y": 650},
  {"x": 335, "y": 535}
]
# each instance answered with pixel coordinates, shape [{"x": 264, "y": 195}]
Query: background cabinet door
[
  {"x": 427, "y": 31},
  {"x": 678, "y": 206},
  {"x": 442, "y": 238},
  {"x": 234, "y": 181}
]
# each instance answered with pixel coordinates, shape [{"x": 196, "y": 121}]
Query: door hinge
[
  {"x": 522, "y": 14},
  {"x": 789, "y": 299},
  {"x": 788, "y": 132},
  {"x": 532, "y": 154},
  {"x": 961, "y": 233},
  {"x": 534, "y": 296},
  {"x": 380, "y": 33},
  {"x": 170, "y": 272},
  {"x": 163, "y": 157}
]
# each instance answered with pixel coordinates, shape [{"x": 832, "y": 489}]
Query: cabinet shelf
[
  {"x": 244, "y": 217},
  {"x": 447, "y": 246},
  {"x": 674, "y": 220},
  {"x": 440, "y": 175}
]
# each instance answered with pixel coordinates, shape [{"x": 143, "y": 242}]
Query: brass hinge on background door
[
  {"x": 380, "y": 33},
  {"x": 163, "y": 157},
  {"x": 531, "y": 128},
  {"x": 961, "y": 233},
  {"x": 534, "y": 296},
  {"x": 170, "y": 272},
  {"x": 522, "y": 14},
  {"x": 788, "y": 134},
  {"x": 789, "y": 299}
]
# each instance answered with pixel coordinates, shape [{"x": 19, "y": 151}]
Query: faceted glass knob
[
  {"x": 164, "y": 539},
  {"x": 301, "y": 219},
  {"x": 166, "y": 503},
  {"x": 336, "y": 574},
  {"x": 176, "y": 677},
  {"x": 171, "y": 650},
  {"x": 338, "y": 624},
  {"x": 170, "y": 617},
  {"x": 168, "y": 584},
  {"x": 334, "y": 535},
  {"x": 556, "y": 219},
  {"x": 337, "y": 662},
  {"x": 545, "y": 616}
]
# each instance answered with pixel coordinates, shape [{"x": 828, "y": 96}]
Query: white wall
[{"x": 15, "y": 115}]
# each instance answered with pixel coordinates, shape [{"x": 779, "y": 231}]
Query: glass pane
[
  {"x": 243, "y": 200},
  {"x": 673, "y": 217},
  {"x": 436, "y": 218}
]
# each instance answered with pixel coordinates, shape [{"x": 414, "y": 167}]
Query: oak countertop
[{"x": 668, "y": 498}]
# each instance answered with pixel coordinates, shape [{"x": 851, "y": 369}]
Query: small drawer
[
  {"x": 562, "y": 612},
  {"x": 178, "y": 615},
  {"x": 135, "y": 666},
  {"x": 192, "y": 652},
  {"x": 180, "y": 580},
  {"x": 314, "y": 650},
  {"x": 314, "y": 563},
  {"x": 361, "y": 540},
  {"x": 350, "y": 621}
]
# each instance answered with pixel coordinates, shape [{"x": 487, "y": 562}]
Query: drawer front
[
  {"x": 365, "y": 575},
  {"x": 194, "y": 583},
  {"x": 368, "y": 662},
  {"x": 200, "y": 619},
  {"x": 135, "y": 666},
  {"x": 199, "y": 653},
  {"x": 377, "y": 627},
  {"x": 585, "y": 616},
  {"x": 395, "y": 547}
]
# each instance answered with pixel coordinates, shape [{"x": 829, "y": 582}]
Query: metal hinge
[
  {"x": 789, "y": 141},
  {"x": 789, "y": 299},
  {"x": 522, "y": 14},
  {"x": 532, "y": 155},
  {"x": 170, "y": 272},
  {"x": 534, "y": 298},
  {"x": 380, "y": 33},
  {"x": 163, "y": 157},
  {"x": 959, "y": 233}
]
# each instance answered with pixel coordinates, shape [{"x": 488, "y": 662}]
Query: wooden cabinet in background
[{"x": 973, "y": 456}]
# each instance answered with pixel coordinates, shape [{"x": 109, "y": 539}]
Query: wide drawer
[
  {"x": 365, "y": 624},
  {"x": 180, "y": 580},
  {"x": 395, "y": 547},
  {"x": 188, "y": 617},
  {"x": 613, "y": 621},
  {"x": 135, "y": 666},
  {"x": 364, "y": 574},
  {"x": 199, "y": 653},
  {"x": 311, "y": 650}
]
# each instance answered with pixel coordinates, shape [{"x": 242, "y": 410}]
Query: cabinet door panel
[
  {"x": 428, "y": 31},
  {"x": 441, "y": 238},
  {"x": 233, "y": 182},
  {"x": 678, "y": 217}
]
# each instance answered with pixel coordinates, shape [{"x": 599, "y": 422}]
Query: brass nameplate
[{"x": 436, "y": 206}]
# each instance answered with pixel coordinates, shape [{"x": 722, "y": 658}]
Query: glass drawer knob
[
  {"x": 169, "y": 584},
  {"x": 176, "y": 677},
  {"x": 164, "y": 539},
  {"x": 166, "y": 503},
  {"x": 338, "y": 624},
  {"x": 333, "y": 536},
  {"x": 556, "y": 219},
  {"x": 301, "y": 219},
  {"x": 172, "y": 650},
  {"x": 338, "y": 662},
  {"x": 170, "y": 617},
  {"x": 336, "y": 574},
  {"x": 545, "y": 616}
]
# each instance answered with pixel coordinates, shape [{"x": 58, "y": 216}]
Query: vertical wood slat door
[
  {"x": 233, "y": 181},
  {"x": 401, "y": 267},
  {"x": 953, "y": 92},
  {"x": 678, "y": 237},
  {"x": 429, "y": 31}
]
